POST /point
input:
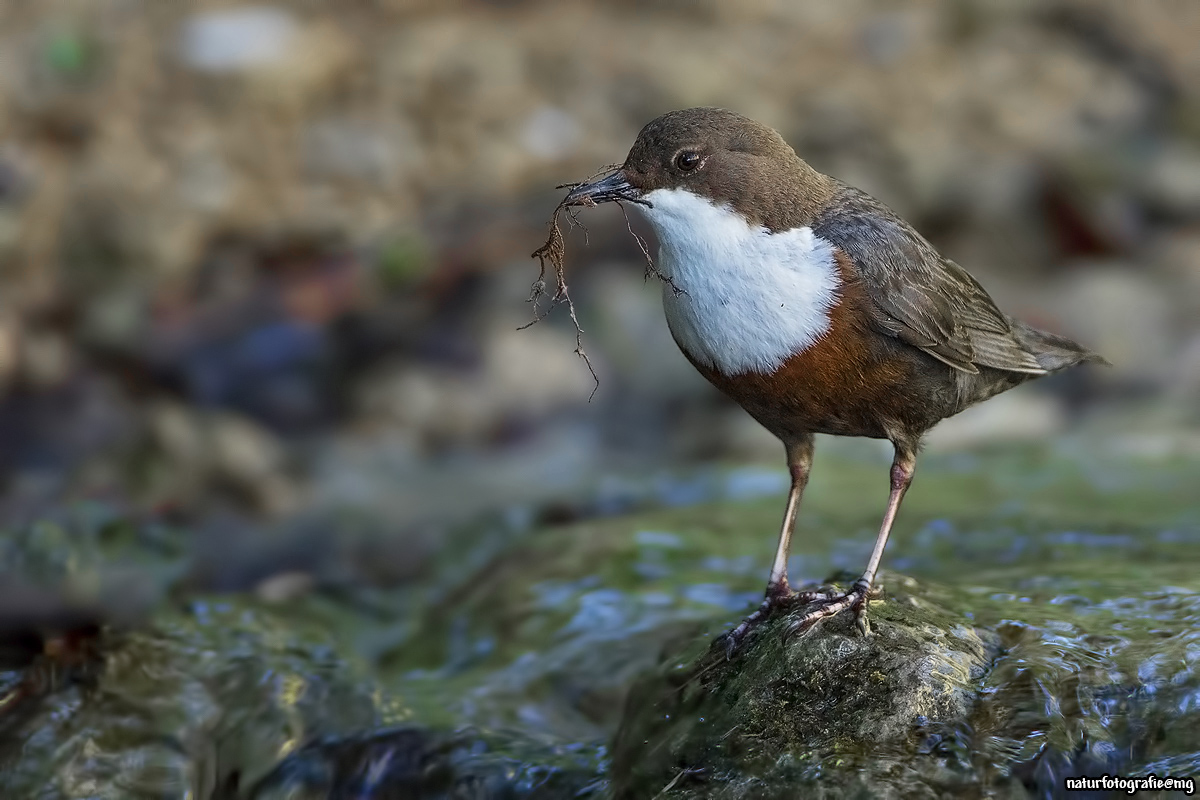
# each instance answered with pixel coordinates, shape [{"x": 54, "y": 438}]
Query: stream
[{"x": 502, "y": 669}]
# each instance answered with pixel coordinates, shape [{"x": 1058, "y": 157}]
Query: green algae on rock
[
  {"x": 1003, "y": 697},
  {"x": 784, "y": 711}
]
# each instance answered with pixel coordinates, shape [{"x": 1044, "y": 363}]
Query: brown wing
[{"x": 919, "y": 297}]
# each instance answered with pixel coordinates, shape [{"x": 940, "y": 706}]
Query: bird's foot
[
  {"x": 777, "y": 596},
  {"x": 829, "y": 605}
]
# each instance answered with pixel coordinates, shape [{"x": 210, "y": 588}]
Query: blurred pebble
[
  {"x": 177, "y": 431},
  {"x": 9, "y": 347},
  {"x": 1173, "y": 179},
  {"x": 1186, "y": 380},
  {"x": 46, "y": 358},
  {"x": 214, "y": 449},
  {"x": 525, "y": 375},
  {"x": 1024, "y": 414},
  {"x": 550, "y": 133},
  {"x": 1122, "y": 313},
  {"x": 236, "y": 39},
  {"x": 365, "y": 121},
  {"x": 355, "y": 149},
  {"x": 284, "y": 587},
  {"x": 245, "y": 451}
]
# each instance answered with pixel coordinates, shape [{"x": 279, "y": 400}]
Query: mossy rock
[{"x": 828, "y": 709}]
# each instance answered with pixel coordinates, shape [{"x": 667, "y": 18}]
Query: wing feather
[{"x": 918, "y": 296}]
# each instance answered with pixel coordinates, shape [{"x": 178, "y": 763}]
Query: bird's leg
[
  {"x": 799, "y": 458},
  {"x": 901, "y": 478},
  {"x": 779, "y": 591}
]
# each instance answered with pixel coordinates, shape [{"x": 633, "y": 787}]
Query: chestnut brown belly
[{"x": 851, "y": 382}]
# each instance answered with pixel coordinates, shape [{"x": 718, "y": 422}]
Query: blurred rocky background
[{"x": 268, "y": 261}]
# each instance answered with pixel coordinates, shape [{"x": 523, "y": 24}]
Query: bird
[{"x": 817, "y": 309}]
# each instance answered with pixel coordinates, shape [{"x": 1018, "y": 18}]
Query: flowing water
[{"x": 502, "y": 672}]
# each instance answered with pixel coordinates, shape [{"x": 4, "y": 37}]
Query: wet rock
[
  {"x": 783, "y": 713},
  {"x": 33, "y": 616},
  {"x": 201, "y": 705}
]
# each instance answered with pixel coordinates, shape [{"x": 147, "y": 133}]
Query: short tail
[{"x": 1053, "y": 352}]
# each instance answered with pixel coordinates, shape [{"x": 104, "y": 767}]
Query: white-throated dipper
[{"x": 815, "y": 307}]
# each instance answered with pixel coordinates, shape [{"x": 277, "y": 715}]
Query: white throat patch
[{"x": 751, "y": 298}]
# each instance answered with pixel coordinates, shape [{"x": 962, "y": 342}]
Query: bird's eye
[{"x": 687, "y": 160}]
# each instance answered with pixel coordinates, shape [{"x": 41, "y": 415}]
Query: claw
[
  {"x": 731, "y": 643},
  {"x": 774, "y": 599},
  {"x": 860, "y": 620},
  {"x": 801, "y": 626},
  {"x": 829, "y": 605},
  {"x": 861, "y": 595}
]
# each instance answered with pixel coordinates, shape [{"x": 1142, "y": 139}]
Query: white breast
[{"x": 751, "y": 298}]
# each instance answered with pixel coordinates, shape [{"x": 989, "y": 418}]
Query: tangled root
[
  {"x": 552, "y": 256},
  {"x": 553, "y": 253}
]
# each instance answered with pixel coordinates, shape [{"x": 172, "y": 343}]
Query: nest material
[{"x": 553, "y": 254}]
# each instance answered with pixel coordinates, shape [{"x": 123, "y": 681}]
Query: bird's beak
[{"x": 612, "y": 187}]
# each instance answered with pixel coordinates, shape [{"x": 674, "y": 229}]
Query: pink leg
[
  {"x": 901, "y": 478},
  {"x": 779, "y": 592},
  {"x": 799, "y": 458}
]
